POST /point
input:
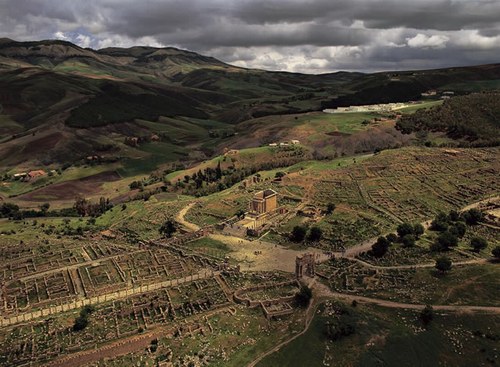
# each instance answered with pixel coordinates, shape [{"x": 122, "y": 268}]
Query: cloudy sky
[{"x": 312, "y": 36}]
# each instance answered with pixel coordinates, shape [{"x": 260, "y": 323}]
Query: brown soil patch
[
  {"x": 71, "y": 189},
  {"x": 43, "y": 144}
]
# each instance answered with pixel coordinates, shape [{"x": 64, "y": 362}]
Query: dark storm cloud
[{"x": 307, "y": 35}]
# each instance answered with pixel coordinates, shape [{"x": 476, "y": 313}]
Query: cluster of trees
[
  {"x": 453, "y": 226},
  {"x": 454, "y": 117},
  {"x": 12, "y": 211},
  {"x": 84, "y": 207},
  {"x": 301, "y": 233},
  {"x": 211, "y": 180},
  {"x": 407, "y": 234}
]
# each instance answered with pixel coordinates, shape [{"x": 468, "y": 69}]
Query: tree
[
  {"x": 426, "y": 315},
  {"x": 440, "y": 223},
  {"x": 408, "y": 240},
  {"x": 443, "y": 264},
  {"x": 218, "y": 171},
  {"x": 279, "y": 175},
  {"x": 82, "y": 320},
  {"x": 330, "y": 208},
  {"x": 454, "y": 216},
  {"x": 44, "y": 208},
  {"x": 478, "y": 243},
  {"x": 458, "y": 229},
  {"x": 81, "y": 206},
  {"x": 315, "y": 234},
  {"x": 380, "y": 247},
  {"x": 168, "y": 228},
  {"x": 445, "y": 240},
  {"x": 303, "y": 296},
  {"x": 418, "y": 230},
  {"x": 472, "y": 216},
  {"x": 392, "y": 237},
  {"x": 298, "y": 234},
  {"x": 404, "y": 229},
  {"x": 496, "y": 252},
  {"x": 240, "y": 213}
]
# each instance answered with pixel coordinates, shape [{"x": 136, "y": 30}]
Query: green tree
[
  {"x": 408, "y": 240},
  {"x": 315, "y": 234},
  {"x": 440, "y": 223},
  {"x": 454, "y": 216},
  {"x": 392, "y": 237},
  {"x": 168, "y": 228},
  {"x": 303, "y": 296},
  {"x": 445, "y": 240},
  {"x": 458, "y": 229},
  {"x": 404, "y": 229},
  {"x": 418, "y": 230},
  {"x": 298, "y": 234},
  {"x": 472, "y": 216},
  {"x": 478, "y": 243},
  {"x": 380, "y": 247},
  {"x": 443, "y": 264}
]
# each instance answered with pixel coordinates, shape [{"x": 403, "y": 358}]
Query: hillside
[
  {"x": 61, "y": 103},
  {"x": 473, "y": 119}
]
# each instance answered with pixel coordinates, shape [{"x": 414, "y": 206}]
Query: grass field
[{"x": 393, "y": 338}]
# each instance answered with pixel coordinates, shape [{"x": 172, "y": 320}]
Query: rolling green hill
[{"x": 61, "y": 103}]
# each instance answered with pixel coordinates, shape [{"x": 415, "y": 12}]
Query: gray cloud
[{"x": 296, "y": 35}]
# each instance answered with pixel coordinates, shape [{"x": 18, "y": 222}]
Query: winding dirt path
[
  {"x": 182, "y": 213},
  {"x": 417, "y": 266}
]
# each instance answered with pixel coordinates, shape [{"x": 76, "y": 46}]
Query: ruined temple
[{"x": 264, "y": 202}]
